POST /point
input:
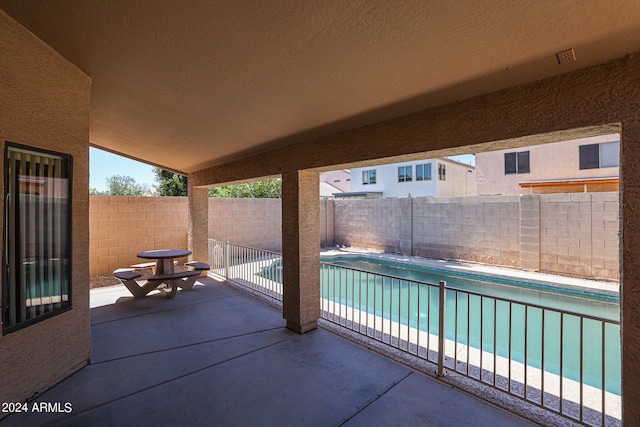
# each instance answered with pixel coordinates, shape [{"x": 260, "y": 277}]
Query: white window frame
[
  {"x": 424, "y": 167},
  {"x": 403, "y": 176},
  {"x": 369, "y": 177}
]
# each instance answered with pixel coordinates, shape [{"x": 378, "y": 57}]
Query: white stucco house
[{"x": 430, "y": 177}]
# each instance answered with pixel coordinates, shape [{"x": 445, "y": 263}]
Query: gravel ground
[{"x": 103, "y": 280}]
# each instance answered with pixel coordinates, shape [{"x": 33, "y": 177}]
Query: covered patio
[
  {"x": 215, "y": 356},
  {"x": 226, "y": 92}
]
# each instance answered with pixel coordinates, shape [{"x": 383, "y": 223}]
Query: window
[
  {"x": 594, "y": 156},
  {"x": 369, "y": 177},
  {"x": 516, "y": 162},
  {"x": 405, "y": 173},
  {"x": 423, "y": 172},
  {"x": 37, "y": 235},
  {"x": 442, "y": 172}
]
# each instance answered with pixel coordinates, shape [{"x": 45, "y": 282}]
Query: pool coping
[{"x": 589, "y": 286}]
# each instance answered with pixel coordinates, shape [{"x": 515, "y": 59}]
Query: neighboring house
[
  {"x": 431, "y": 177},
  {"x": 580, "y": 165},
  {"x": 334, "y": 182},
  {"x": 151, "y": 192}
]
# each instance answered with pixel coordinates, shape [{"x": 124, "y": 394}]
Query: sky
[
  {"x": 469, "y": 159},
  {"x": 103, "y": 164}
]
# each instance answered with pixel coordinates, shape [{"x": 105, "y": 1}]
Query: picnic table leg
[
  {"x": 188, "y": 282},
  {"x": 174, "y": 288},
  {"x": 166, "y": 266}
]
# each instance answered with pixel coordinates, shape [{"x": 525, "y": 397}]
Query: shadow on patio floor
[{"x": 215, "y": 356}]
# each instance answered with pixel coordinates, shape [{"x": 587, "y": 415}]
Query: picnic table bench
[{"x": 162, "y": 273}]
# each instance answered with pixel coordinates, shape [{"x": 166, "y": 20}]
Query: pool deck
[
  {"x": 609, "y": 288},
  {"x": 216, "y": 356}
]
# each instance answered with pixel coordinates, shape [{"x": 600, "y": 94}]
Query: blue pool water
[{"x": 544, "y": 294}]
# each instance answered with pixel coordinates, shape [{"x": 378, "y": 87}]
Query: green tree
[
  {"x": 94, "y": 191},
  {"x": 122, "y": 185},
  {"x": 267, "y": 189},
  {"x": 170, "y": 183}
]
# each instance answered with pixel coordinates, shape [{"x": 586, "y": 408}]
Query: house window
[
  {"x": 37, "y": 234},
  {"x": 405, "y": 173},
  {"x": 594, "y": 156},
  {"x": 423, "y": 172},
  {"x": 442, "y": 172},
  {"x": 516, "y": 162},
  {"x": 369, "y": 176}
]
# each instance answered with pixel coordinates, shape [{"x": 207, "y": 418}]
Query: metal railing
[
  {"x": 565, "y": 362},
  {"x": 257, "y": 269}
]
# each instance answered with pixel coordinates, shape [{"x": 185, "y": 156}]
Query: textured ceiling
[{"x": 193, "y": 83}]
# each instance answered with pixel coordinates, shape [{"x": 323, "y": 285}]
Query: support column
[
  {"x": 198, "y": 225},
  {"x": 630, "y": 271},
  {"x": 301, "y": 250}
]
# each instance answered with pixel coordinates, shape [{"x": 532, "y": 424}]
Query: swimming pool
[
  {"x": 546, "y": 294},
  {"x": 519, "y": 329}
]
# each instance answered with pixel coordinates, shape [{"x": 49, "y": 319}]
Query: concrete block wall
[
  {"x": 480, "y": 229},
  {"x": 250, "y": 222},
  {"x": 573, "y": 233},
  {"x": 258, "y": 222},
  {"x": 121, "y": 227},
  {"x": 560, "y": 233},
  {"x": 378, "y": 224},
  {"x": 579, "y": 234},
  {"x": 530, "y": 232}
]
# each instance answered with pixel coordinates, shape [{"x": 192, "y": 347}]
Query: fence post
[
  {"x": 442, "y": 329},
  {"x": 226, "y": 260}
]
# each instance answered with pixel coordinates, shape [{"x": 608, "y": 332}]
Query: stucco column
[
  {"x": 630, "y": 271},
  {"x": 301, "y": 250},
  {"x": 198, "y": 226}
]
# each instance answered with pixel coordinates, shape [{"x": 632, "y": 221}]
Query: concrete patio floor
[{"x": 214, "y": 356}]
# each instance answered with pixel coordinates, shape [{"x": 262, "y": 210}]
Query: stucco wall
[{"x": 44, "y": 103}]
